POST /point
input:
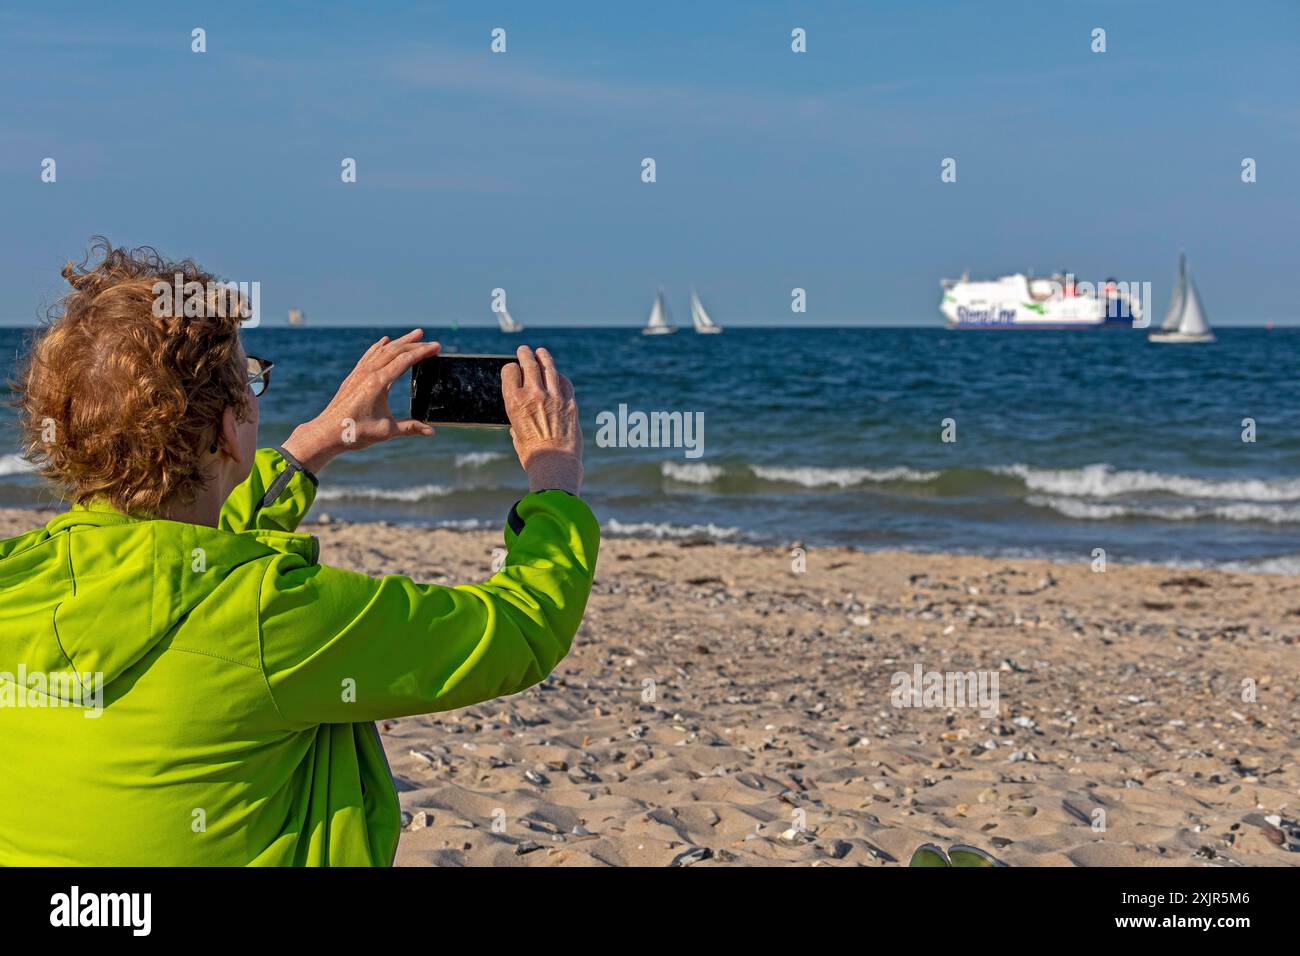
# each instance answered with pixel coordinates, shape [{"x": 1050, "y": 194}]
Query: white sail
[
  {"x": 1185, "y": 321},
  {"x": 657, "y": 313},
  {"x": 701, "y": 318},
  {"x": 1175, "y": 313},
  {"x": 507, "y": 323},
  {"x": 658, "y": 323},
  {"x": 1192, "y": 321}
]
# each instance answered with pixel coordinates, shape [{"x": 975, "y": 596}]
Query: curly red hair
[{"x": 117, "y": 403}]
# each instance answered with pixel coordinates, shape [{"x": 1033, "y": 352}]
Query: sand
[{"x": 719, "y": 708}]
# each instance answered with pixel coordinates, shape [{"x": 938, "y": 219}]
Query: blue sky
[{"x": 522, "y": 170}]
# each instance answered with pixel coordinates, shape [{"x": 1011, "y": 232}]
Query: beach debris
[
  {"x": 427, "y": 760},
  {"x": 533, "y": 777},
  {"x": 421, "y": 819},
  {"x": 528, "y": 846},
  {"x": 1276, "y": 829},
  {"x": 694, "y": 855},
  {"x": 795, "y": 837},
  {"x": 839, "y": 849},
  {"x": 879, "y": 854},
  {"x": 543, "y": 826}
]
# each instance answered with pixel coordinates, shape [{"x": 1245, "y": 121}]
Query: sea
[{"x": 1010, "y": 443}]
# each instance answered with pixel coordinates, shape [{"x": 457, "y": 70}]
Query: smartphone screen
[{"x": 459, "y": 390}]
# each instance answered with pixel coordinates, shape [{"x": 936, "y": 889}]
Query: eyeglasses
[{"x": 259, "y": 374}]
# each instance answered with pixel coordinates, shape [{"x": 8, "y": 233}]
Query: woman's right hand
[
  {"x": 544, "y": 422},
  {"x": 358, "y": 415}
]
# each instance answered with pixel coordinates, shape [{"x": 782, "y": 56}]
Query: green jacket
[{"x": 173, "y": 694}]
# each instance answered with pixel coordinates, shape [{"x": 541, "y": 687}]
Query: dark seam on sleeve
[
  {"x": 293, "y": 466},
  {"x": 513, "y": 520},
  {"x": 295, "y": 463},
  {"x": 516, "y": 522},
  {"x": 281, "y": 482}
]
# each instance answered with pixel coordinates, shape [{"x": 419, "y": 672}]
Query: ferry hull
[{"x": 1019, "y": 302}]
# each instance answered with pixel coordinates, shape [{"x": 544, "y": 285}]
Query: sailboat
[
  {"x": 659, "y": 323},
  {"x": 703, "y": 324},
  {"x": 508, "y": 325},
  {"x": 1185, "y": 320}
]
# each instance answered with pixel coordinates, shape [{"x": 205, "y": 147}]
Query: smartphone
[{"x": 460, "y": 390}]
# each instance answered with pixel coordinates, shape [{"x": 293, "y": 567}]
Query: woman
[{"x": 181, "y": 681}]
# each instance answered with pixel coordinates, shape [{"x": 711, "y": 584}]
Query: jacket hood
[{"x": 95, "y": 590}]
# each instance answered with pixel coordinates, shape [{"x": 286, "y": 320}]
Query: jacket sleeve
[
  {"x": 274, "y": 497},
  {"x": 342, "y": 647}
]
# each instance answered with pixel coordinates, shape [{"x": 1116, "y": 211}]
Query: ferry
[{"x": 1021, "y": 301}]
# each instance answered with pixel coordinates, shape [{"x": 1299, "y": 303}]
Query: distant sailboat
[
  {"x": 703, "y": 324},
  {"x": 1185, "y": 320},
  {"x": 659, "y": 323},
  {"x": 296, "y": 318},
  {"x": 508, "y": 325}
]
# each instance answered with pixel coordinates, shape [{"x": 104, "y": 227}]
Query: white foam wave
[
  {"x": 651, "y": 529},
  {"x": 693, "y": 473},
  {"x": 15, "y": 465},
  {"x": 466, "y": 524},
  {"x": 814, "y": 477},
  {"x": 1286, "y": 564},
  {"x": 1104, "y": 481},
  {"x": 476, "y": 459},
  {"x": 1238, "y": 511},
  {"x": 416, "y": 493}
]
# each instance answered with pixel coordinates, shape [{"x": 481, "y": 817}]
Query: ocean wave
[
  {"x": 412, "y": 494},
  {"x": 476, "y": 459},
  {"x": 15, "y": 465},
  {"x": 1105, "y": 481},
  {"x": 811, "y": 476},
  {"x": 465, "y": 524},
  {"x": 1239, "y": 511},
  {"x": 652, "y": 529},
  {"x": 1285, "y": 564},
  {"x": 693, "y": 473}
]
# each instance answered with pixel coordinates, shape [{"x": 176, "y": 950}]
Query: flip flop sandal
[
  {"x": 963, "y": 855},
  {"x": 928, "y": 854}
]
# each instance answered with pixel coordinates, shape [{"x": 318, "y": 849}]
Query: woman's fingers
[
  {"x": 566, "y": 387},
  {"x": 387, "y": 348},
  {"x": 413, "y": 426},
  {"x": 528, "y": 365},
  {"x": 375, "y": 347},
  {"x": 549, "y": 375},
  {"x": 401, "y": 361},
  {"x": 512, "y": 378}
]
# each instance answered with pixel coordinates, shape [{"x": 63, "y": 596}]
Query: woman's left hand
[{"x": 358, "y": 416}]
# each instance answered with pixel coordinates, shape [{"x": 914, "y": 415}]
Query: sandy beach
[{"x": 719, "y": 708}]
